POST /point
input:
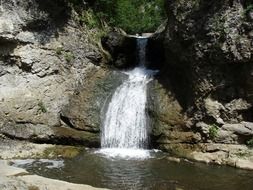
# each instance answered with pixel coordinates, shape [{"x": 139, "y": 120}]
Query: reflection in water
[{"x": 150, "y": 174}]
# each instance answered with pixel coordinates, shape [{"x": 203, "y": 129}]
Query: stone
[
  {"x": 208, "y": 56},
  {"x": 11, "y": 149},
  {"x": 44, "y": 58},
  {"x": 122, "y": 48},
  {"x": 165, "y": 116},
  {"x": 203, "y": 127},
  {"x": 85, "y": 108},
  {"x": 17, "y": 178},
  {"x": 213, "y": 108},
  {"x": 239, "y": 129},
  {"x": 238, "y": 156},
  {"x": 45, "y": 134}
]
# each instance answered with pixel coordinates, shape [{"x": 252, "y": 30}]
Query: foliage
[
  {"x": 248, "y": 9},
  {"x": 213, "y": 131},
  {"x": 42, "y": 107},
  {"x": 89, "y": 19},
  {"x": 69, "y": 56},
  {"x": 58, "y": 50},
  {"x": 250, "y": 142},
  {"x": 131, "y": 15}
]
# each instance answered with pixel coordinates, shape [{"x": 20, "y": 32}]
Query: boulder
[
  {"x": 122, "y": 49},
  {"x": 85, "y": 108}
]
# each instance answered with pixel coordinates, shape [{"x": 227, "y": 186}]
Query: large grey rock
[
  {"x": 16, "y": 178},
  {"x": 44, "y": 58},
  {"x": 208, "y": 50},
  {"x": 244, "y": 129},
  {"x": 122, "y": 49},
  {"x": 87, "y": 105},
  {"x": 166, "y": 118}
]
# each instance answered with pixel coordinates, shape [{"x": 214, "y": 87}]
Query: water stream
[{"x": 125, "y": 127}]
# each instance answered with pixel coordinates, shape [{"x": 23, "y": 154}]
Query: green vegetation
[
  {"x": 59, "y": 50},
  {"x": 248, "y": 9},
  {"x": 69, "y": 56},
  {"x": 213, "y": 131},
  {"x": 250, "y": 142},
  {"x": 242, "y": 154},
  {"x": 89, "y": 18},
  {"x": 130, "y": 15},
  {"x": 42, "y": 107}
]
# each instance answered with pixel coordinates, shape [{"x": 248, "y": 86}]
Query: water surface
[{"x": 156, "y": 173}]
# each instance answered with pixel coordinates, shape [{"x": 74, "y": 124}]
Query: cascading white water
[{"x": 125, "y": 126}]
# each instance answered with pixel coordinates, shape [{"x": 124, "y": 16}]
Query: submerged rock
[{"x": 17, "y": 178}]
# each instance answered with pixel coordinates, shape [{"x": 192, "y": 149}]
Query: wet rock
[
  {"x": 52, "y": 135},
  {"x": 208, "y": 53},
  {"x": 11, "y": 149},
  {"x": 17, "y": 178},
  {"x": 85, "y": 108},
  {"x": 122, "y": 49},
  {"x": 166, "y": 117},
  {"x": 238, "y": 156}
]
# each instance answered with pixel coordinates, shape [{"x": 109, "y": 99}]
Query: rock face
[
  {"x": 167, "y": 119},
  {"x": 209, "y": 55},
  {"x": 208, "y": 62},
  {"x": 122, "y": 48},
  {"x": 85, "y": 108},
  {"x": 44, "y": 57}
]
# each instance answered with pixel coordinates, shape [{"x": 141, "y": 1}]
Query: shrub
[
  {"x": 250, "y": 142},
  {"x": 89, "y": 19},
  {"x": 58, "y": 50},
  {"x": 213, "y": 131},
  {"x": 248, "y": 9},
  {"x": 132, "y": 16},
  {"x": 69, "y": 56}
]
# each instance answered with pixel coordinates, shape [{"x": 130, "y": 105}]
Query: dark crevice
[
  {"x": 67, "y": 121},
  {"x": 55, "y": 141}
]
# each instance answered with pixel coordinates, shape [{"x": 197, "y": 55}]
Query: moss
[
  {"x": 89, "y": 19},
  {"x": 58, "y": 50},
  {"x": 42, "y": 107},
  {"x": 69, "y": 56},
  {"x": 213, "y": 131},
  {"x": 250, "y": 142},
  {"x": 242, "y": 154},
  {"x": 61, "y": 151},
  {"x": 248, "y": 9}
]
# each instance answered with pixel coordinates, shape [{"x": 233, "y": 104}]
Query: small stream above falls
[{"x": 125, "y": 128}]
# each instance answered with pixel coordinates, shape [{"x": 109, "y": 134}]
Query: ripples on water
[{"x": 156, "y": 173}]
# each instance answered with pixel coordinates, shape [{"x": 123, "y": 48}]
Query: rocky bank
[
  {"x": 207, "y": 70},
  {"x": 17, "y": 178},
  {"x": 55, "y": 84},
  {"x": 45, "y": 56}
]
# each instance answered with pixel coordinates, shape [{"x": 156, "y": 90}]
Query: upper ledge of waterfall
[{"x": 143, "y": 35}]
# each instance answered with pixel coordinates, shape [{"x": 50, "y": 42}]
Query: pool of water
[{"x": 154, "y": 173}]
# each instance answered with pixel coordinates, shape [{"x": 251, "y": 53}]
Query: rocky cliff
[
  {"x": 208, "y": 62},
  {"x": 45, "y": 56}
]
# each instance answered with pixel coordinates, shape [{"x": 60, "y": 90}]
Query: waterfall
[{"x": 125, "y": 127}]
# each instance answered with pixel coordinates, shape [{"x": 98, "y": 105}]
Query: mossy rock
[{"x": 61, "y": 151}]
